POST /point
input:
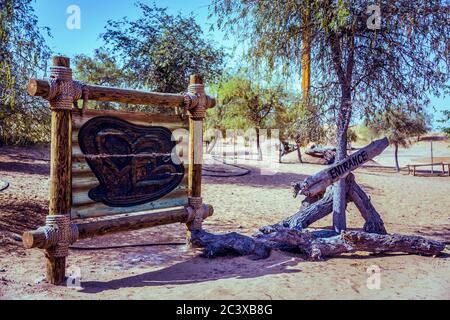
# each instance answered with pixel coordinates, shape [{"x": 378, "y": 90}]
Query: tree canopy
[
  {"x": 23, "y": 53},
  {"x": 399, "y": 124},
  {"x": 101, "y": 69},
  {"x": 402, "y": 61},
  {"x": 358, "y": 67},
  {"x": 159, "y": 51},
  {"x": 245, "y": 104},
  {"x": 445, "y": 121}
]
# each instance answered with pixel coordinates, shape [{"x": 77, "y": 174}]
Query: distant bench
[{"x": 412, "y": 167}]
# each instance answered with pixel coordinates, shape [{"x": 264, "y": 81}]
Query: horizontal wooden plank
[
  {"x": 89, "y": 229},
  {"x": 89, "y": 180},
  {"x": 139, "y": 118},
  {"x": 41, "y": 88},
  {"x": 100, "y": 93},
  {"x": 101, "y": 210},
  {"x": 80, "y": 194}
]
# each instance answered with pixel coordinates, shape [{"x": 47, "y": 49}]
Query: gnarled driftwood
[{"x": 311, "y": 246}]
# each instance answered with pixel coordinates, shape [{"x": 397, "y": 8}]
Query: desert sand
[{"x": 410, "y": 205}]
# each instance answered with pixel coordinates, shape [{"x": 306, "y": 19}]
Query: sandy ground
[{"x": 409, "y": 205}]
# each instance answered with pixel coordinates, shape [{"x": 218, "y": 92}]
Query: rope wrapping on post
[
  {"x": 53, "y": 89},
  {"x": 195, "y": 202},
  {"x": 196, "y": 213},
  {"x": 196, "y": 102},
  {"x": 56, "y": 236},
  {"x": 63, "y": 90},
  {"x": 61, "y": 225}
]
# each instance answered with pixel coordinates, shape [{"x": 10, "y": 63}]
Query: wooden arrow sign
[{"x": 317, "y": 183}]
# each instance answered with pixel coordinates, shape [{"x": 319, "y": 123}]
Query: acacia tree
[
  {"x": 360, "y": 66},
  {"x": 399, "y": 125},
  {"x": 247, "y": 105},
  {"x": 445, "y": 122},
  {"x": 101, "y": 69},
  {"x": 23, "y": 119},
  {"x": 159, "y": 51}
]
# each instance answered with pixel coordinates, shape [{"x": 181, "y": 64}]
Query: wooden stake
[
  {"x": 60, "y": 174},
  {"x": 196, "y": 117},
  {"x": 195, "y": 158},
  {"x": 432, "y": 165},
  {"x": 195, "y": 147}
]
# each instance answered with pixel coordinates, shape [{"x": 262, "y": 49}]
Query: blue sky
[{"x": 95, "y": 14}]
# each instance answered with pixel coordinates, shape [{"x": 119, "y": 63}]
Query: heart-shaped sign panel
[{"x": 134, "y": 164}]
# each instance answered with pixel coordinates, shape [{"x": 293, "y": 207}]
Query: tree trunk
[
  {"x": 258, "y": 145},
  {"x": 299, "y": 153},
  {"x": 1, "y": 132},
  {"x": 339, "y": 197},
  {"x": 396, "y": 156},
  {"x": 317, "y": 206},
  {"x": 281, "y": 151},
  {"x": 306, "y": 56},
  {"x": 212, "y": 144}
]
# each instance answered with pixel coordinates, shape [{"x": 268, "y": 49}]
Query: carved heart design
[{"x": 132, "y": 163}]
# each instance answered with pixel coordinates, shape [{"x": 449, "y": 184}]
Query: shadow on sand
[
  {"x": 259, "y": 179},
  {"x": 199, "y": 270},
  {"x": 26, "y": 168}
]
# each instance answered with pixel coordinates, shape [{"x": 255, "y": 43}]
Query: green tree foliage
[
  {"x": 399, "y": 125},
  {"x": 102, "y": 69},
  {"x": 23, "y": 53},
  {"x": 353, "y": 65},
  {"x": 445, "y": 122},
  {"x": 365, "y": 133},
  {"x": 159, "y": 51},
  {"x": 243, "y": 104},
  {"x": 351, "y": 136}
]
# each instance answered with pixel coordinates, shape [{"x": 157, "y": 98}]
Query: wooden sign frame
[{"x": 63, "y": 94}]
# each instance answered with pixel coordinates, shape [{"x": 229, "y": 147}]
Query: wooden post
[
  {"x": 60, "y": 170},
  {"x": 432, "y": 160},
  {"x": 195, "y": 143},
  {"x": 196, "y": 102},
  {"x": 58, "y": 233}
]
